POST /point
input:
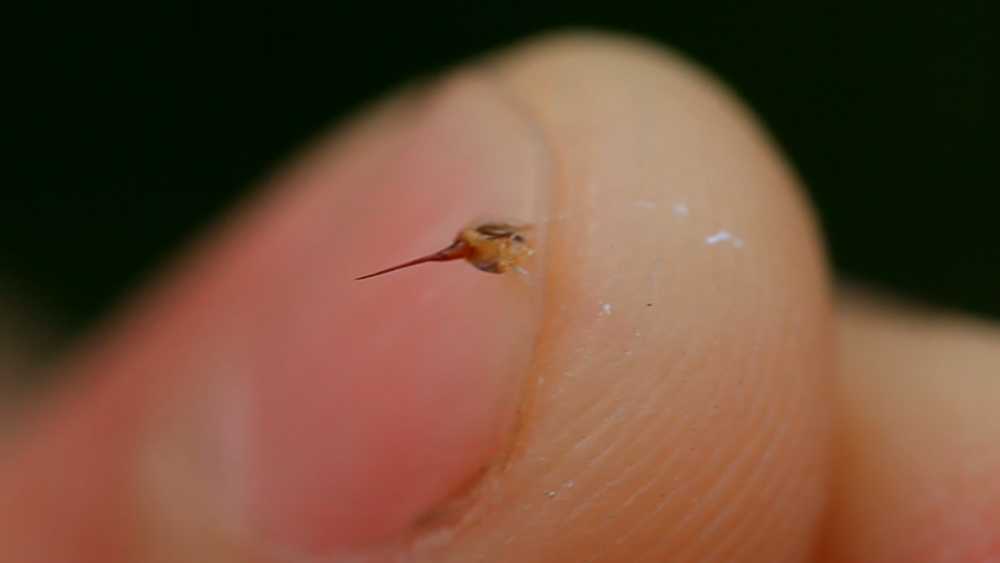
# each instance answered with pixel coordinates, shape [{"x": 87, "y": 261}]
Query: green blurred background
[{"x": 127, "y": 126}]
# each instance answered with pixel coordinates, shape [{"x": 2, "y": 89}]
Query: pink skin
[
  {"x": 317, "y": 413},
  {"x": 410, "y": 375}
]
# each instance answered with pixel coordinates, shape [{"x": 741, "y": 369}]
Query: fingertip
[
  {"x": 678, "y": 398},
  {"x": 916, "y": 475}
]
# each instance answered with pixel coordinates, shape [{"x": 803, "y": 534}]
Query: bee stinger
[{"x": 489, "y": 246}]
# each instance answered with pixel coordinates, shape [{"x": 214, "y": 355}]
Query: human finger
[
  {"x": 918, "y": 465},
  {"x": 655, "y": 389}
]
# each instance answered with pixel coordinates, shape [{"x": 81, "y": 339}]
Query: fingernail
[{"x": 343, "y": 412}]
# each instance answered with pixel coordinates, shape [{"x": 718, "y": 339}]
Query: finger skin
[
  {"x": 263, "y": 397},
  {"x": 918, "y": 464},
  {"x": 679, "y": 407},
  {"x": 676, "y": 403}
]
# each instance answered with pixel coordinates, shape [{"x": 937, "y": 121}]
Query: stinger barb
[{"x": 458, "y": 250}]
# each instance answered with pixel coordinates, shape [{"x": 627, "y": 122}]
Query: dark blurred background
[{"x": 126, "y": 126}]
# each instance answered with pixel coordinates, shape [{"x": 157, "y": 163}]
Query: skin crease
[{"x": 679, "y": 399}]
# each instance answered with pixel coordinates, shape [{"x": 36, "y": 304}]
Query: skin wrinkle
[
  {"x": 739, "y": 536},
  {"x": 780, "y": 497},
  {"x": 762, "y": 518},
  {"x": 717, "y": 487},
  {"x": 666, "y": 497},
  {"x": 597, "y": 432},
  {"x": 649, "y": 515},
  {"x": 743, "y": 491},
  {"x": 650, "y": 483},
  {"x": 650, "y": 453},
  {"x": 647, "y": 430},
  {"x": 651, "y": 395},
  {"x": 811, "y": 484},
  {"x": 774, "y": 437},
  {"x": 797, "y": 405}
]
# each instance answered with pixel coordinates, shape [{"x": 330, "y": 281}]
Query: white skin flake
[
  {"x": 723, "y": 236},
  {"x": 718, "y": 237}
]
